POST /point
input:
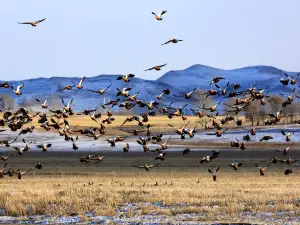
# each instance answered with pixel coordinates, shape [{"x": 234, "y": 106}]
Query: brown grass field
[{"x": 232, "y": 194}]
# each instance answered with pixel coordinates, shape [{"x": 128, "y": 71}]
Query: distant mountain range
[{"x": 179, "y": 82}]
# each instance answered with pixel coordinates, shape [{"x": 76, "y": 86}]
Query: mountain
[{"x": 179, "y": 82}]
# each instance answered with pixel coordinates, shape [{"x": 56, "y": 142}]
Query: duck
[
  {"x": 74, "y": 145},
  {"x": 124, "y": 92},
  {"x": 186, "y": 151},
  {"x": 164, "y": 92},
  {"x": 160, "y": 156},
  {"x": 4, "y": 85},
  {"x": 214, "y": 173},
  {"x": 79, "y": 85},
  {"x": 44, "y": 147},
  {"x": 33, "y": 23},
  {"x": 44, "y": 105},
  {"x": 157, "y": 68},
  {"x": 101, "y": 91},
  {"x": 292, "y": 80},
  {"x": 146, "y": 166},
  {"x": 236, "y": 165},
  {"x": 67, "y": 87},
  {"x": 126, "y": 77},
  {"x": 266, "y": 138},
  {"x": 187, "y": 95},
  {"x": 213, "y": 108},
  {"x": 20, "y": 173},
  {"x": 38, "y": 165},
  {"x": 18, "y": 90},
  {"x": 172, "y": 40},
  {"x": 287, "y": 171},
  {"x": 20, "y": 150},
  {"x": 216, "y": 80},
  {"x": 287, "y": 135},
  {"x": 87, "y": 158},
  {"x": 126, "y": 148},
  {"x": 262, "y": 169},
  {"x": 99, "y": 158},
  {"x": 159, "y": 16},
  {"x": 2, "y": 171},
  {"x": 286, "y": 150}
]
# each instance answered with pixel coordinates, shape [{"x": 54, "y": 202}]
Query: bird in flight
[
  {"x": 33, "y": 23},
  {"x": 157, "y": 68},
  {"x": 159, "y": 16},
  {"x": 172, "y": 40}
]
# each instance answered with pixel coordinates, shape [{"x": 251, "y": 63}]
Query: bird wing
[
  {"x": 81, "y": 81},
  {"x": 162, "y": 13},
  {"x": 283, "y": 133},
  {"x": 49, "y": 145},
  {"x": 149, "y": 69},
  {"x": 25, "y": 23},
  {"x": 120, "y": 77},
  {"x": 162, "y": 65},
  {"x": 38, "y": 21}
]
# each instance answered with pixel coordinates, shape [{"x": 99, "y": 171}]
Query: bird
[
  {"x": 157, "y": 68},
  {"x": 67, "y": 87},
  {"x": 79, "y": 85},
  {"x": 18, "y": 90},
  {"x": 214, "y": 173},
  {"x": 38, "y": 165},
  {"x": 287, "y": 171},
  {"x": 101, "y": 91},
  {"x": 44, "y": 106},
  {"x": 146, "y": 166},
  {"x": 172, "y": 40},
  {"x": 33, "y": 23},
  {"x": 20, "y": 173},
  {"x": 126, "y": 77},
  {"x": 161, "y": 156},
  {"x": 44, "y": 147},
  {"x": 236, "y": 165},
  {"x": 159, "y": 16},
  {"x": 262, "y": 169}
]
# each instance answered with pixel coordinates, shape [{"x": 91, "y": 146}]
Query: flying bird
[{"x": 33, "y": 23}]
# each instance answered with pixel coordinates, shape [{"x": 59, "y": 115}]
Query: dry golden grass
[{"x": 233, "y": 193}]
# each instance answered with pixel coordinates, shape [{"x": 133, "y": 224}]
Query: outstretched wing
[{"x": 38, "y": 21}]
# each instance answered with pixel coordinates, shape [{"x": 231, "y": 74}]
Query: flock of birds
[{"x": 18, "y": 120}]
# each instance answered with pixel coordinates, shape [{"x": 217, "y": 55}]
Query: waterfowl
[
  {"x": 79, "y": 85},
  {"x": 200, "y": 114},
  {"x": 216, "y": 80},
  {"x": 285, "y": 151},
  {"x": 287, "y": 171},
  {"x": 157, "y": 138},
  {"x": 18, "y": 90},
  {"x": 284, "y": 82},
  {"x": 7, "y": 142},
  {"x": 186, "y": 95},
  {"x": 159, "y": 16},
  {"x": 4, "y": 85},
  {"x": 4, "y": 158},
  {"x": 126, "y": 148},
  {"x": 20, "y": 150},
  {"x": 287, "y": 135},
  {"x": 186, "y": 151},
  {"x": 2, "y": 171},
  {"x": 288, "y": 161},
  {"x": 164, "y": 92},
  {"x": 87, "y": 158},
  {"x": 33, "y": 23},
  {"x": 214, "y": 173},
  {"x": 143, "y": 141},
  {"x": 213, "y": 108},
  {"x": 236, "y": 165},
  {"x": 124, "y": 92},
  {"x": 67, "y": 107},
  {"x": 38, "y": 165},
  {"x": 146, "y": 166},
  {"x": 74, "y": 145},
  {"x": 108, "y": 120},
  {"x": 223, "y": 90},
  {"x": 44, "y": 147},
  {"x": 161, "y": 156},
  {"x": 157, "y": 68},
  {"x": 67, "y": 87},
  {"x": 20, "y": 173},
  {"x": 87, "y": 111},
  {"x": 99, "y": 158},
  {"x": 266, "y": 138},
  {"x": 126, "y": 77},
  {"x": 172, "y": 40},
  {"x": 44, "y": 105},
  {"x": 101, "y": 91},
  {"x": 262, "y": 169}
]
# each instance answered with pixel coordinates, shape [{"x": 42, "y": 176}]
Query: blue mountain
[{"x": 179, "y": 82}]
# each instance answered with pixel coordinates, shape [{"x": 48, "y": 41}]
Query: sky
[{"x": 93, "y": 37}]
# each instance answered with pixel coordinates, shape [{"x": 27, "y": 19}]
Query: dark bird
[{"x": 33, "y": 23}]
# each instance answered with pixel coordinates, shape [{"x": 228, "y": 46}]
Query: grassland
[{"x": 103, "y": 193}]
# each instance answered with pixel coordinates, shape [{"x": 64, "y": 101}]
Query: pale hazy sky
[{"x": 92, "y": 37}]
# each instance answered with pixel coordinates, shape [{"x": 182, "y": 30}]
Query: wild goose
[
  {"x": 101, "y": 91},
  {"x": 44, "y": 105},
  {"x": 216, "y": 80},
  {"x": 284, "y": 81},
  {"x": 18, "y": 90},
  {"x": 127, "y": 105},
  {"x": 4, "y": 158},
  {"x": 292, "y": 80},
  {"x": 180, "y": 131},
  {"x": 2, "y": 171},
  {"x": 79, "y": 85},
  {"x": 186, "y": 151},
  {"x": 164, "y": 92},
  {"x": 213, "y": 108},
  {"x": 67, "y": 87},
  {"x": 33, "y": 23},
  {"x": 262, "y": 169},
  {"x": 27, "y": 130},
  {"x": 126, "y": 148},
  {"x": 210, "y": 92},
  {"x": 191, "y": 131},
  {"x": 44, "y": 147},
  {"x": 151, "y": 104},
  {"x": 287, "y": 135},
  {"x": 95, "y": 116},
  {"x": 179, "y": 110},
  {"x": 218, "y": 132},
  {"x": 4, "y": 85},
  {"x": 160, "y": 156},
  {"x": 20, "y": 150},
  {"x": 124, "y": 92},
  {"x": 87, "y": 158},
  {"x": 266, "y": 138},
  {"x": 157, "y": 138},
  {"x": 157, "y": 68},
  {"x": 108, "y": 120},
  {"x": 172, "y": 40},
  {"x": 20, "y": 173},
  {"x": 133, "y": 97},
  {"x": 214, "y": 173},
  {"x": 86, "y": 112},
  {"x": 288, "y": 161},
  {"x": 113, "y": 102},
  {"x": 186, "y": 95},
  {"x": 143, "y": 141},
  {"x": 74, "y": 145},
  {"x": 67, "y": 107},
  {"x": 146, "y": 166},
  {"x": 236, "y": 165},
  {"x": 126, "y": 77},
  {"x": 7, "y": 143},
  {"x": 38, "y": 165},
  {"x": 99, "y": 158},
  {"x": 287, "y": 171},
  {"x": 223, "y": 90},
  {"x": 159, "y": 16},
  {"x": 286, "y": 150}
]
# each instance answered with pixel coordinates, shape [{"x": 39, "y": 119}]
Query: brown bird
[
  {"x": 67, "y": 87},
  {"x": 74, "y": 145},
  {"x": 159, "y": 16},
  {"x": 288, "y": 171},
  {"x": 146, "y": 166},
  {"x": 101, "y": 91},
  {"x": 214, "y": 173},
  {"x": 44, "y": 147},
  {"x": 2, "y": 171},
  {"x": 236, "y": 165},
  {"x": 79, "y": 85},
  {"x": 157, "y": 68},
  {"x": 285, "y": 151},
  {"x": 33, "y": 23},
  {"x": 44, "y": 105},
  {"x": 262, "y": 169},
  {"x": 18, "y": 90},
  {"x": 20, "y": 173},
  {"x": 125, "y": 77},
  {"x": 172, "y": 40},
  {"x": 126, "y": 148}
]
